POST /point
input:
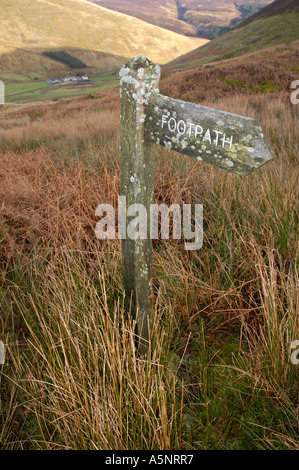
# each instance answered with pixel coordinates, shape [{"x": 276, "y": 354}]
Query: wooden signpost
[{"x": 229, "y": 141}]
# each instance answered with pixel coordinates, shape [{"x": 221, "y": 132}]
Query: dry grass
[
  {"x": 88, "y": 389},
  {"x": 225, "y": 316}
]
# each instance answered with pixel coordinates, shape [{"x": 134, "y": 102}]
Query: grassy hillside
[
  {"x": 277, "y": 24},
  {"x": 212, "y": 17},
  {"x": 277, "y": 8},
  {"x": 78, "y": 24},
  {"x": 161, "y": 13},
  {"x": 268, "y": 71},
  {"x": 21, "y": 65}
]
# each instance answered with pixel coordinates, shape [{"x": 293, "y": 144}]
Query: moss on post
[{"x": 139, "y": 79}]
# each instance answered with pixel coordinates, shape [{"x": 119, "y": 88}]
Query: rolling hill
[
  {"x": 23, "y": 65},
  {"x": 190, "y": 17},
  {"x": 268, "y": 72},
  {"x": 38, "y": 25},
  {"x": 278, "y": 23}
]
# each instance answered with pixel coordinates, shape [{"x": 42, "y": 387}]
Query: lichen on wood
[
  {"x": 229, "y": 141},
  {"x": 226, "y": 140}
]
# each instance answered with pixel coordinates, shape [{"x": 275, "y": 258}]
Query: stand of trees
[{"x": 65, "y": 58}]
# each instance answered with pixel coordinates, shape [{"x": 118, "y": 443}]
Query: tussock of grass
[{"x": 88, "y": 389}]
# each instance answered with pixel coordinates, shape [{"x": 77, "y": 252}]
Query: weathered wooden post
[
  {"x": 139, "y": 79},
  {"x": 229, "y": 141}
]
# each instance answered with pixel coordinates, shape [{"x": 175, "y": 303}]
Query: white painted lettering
[
  {"x": 227, "y": 141},
  {"x": 173, "y": 128},
  {"x": 180, "y": 123},
  {"x": 217, "y": 136},
  {"x": 198, "y": 131},
  {"x": 164, "y": 120},
  {"x": 190, "y": 128},
  {"x": 207, "y": 137}
]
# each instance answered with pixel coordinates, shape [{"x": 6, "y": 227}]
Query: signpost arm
[{"x": 139, "y": 79}]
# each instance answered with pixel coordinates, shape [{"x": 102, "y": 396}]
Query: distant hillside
[
  {"x": 213, "y": 17},
  {"x": 278, "y": 23},
  {"x": 38, "y": 25},
  {"x": 206, "y": 18}
]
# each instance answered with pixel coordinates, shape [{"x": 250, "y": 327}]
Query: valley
[
  {"x": 206, "y": 19},
  {"x": 100, "y": 38}
]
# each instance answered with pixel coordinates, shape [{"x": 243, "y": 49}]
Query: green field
[
  {"x": 12, "y": 89},
  {"x": 77, "y": 24},
  {"x": 41, "y": 91}
]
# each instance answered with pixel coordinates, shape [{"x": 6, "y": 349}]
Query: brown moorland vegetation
[
  {"x": 268, "y": 71},
  {"x": 276, "y": 24}
]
